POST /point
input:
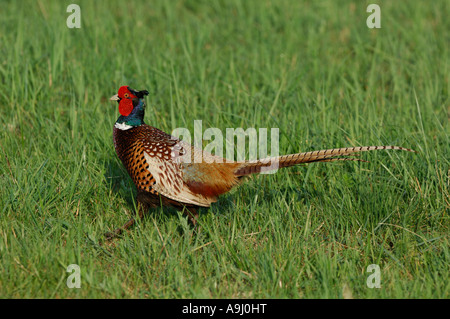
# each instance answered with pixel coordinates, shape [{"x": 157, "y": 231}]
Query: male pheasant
[{"x": 162, "y": 169}]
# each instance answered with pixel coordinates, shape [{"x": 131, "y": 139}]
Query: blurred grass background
[{"x": 311, "y": 68}]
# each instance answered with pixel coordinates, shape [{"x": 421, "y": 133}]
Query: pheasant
[{"x": 162, "y": 169}]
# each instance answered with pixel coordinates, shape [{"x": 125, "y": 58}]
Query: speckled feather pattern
[{"x": 158, "y": 165}]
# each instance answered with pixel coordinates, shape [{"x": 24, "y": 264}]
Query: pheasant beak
[{"x": 115, "y": 97}]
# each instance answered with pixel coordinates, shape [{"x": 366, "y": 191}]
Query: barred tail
[{"x": 331, "y": 155}]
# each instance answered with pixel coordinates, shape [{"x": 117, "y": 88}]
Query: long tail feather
[{"x": 331, "y": 155}]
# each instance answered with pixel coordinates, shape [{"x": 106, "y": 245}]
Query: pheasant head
[{"x": 131, "y": 106}]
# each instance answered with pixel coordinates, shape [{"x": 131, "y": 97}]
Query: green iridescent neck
[{"x": 136, "y": 117}]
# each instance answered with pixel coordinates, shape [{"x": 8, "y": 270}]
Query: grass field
[{"x": 313, "y": 69}]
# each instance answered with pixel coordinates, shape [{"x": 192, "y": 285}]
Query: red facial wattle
[
  {"x": 126, "y": 102},
  {"x": 125, "y": 106}
]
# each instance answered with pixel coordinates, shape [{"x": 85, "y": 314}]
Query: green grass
[{"x": 311, "y": 68}]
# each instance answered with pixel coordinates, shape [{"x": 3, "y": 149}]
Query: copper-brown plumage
[{"x": 165, "y": 172}]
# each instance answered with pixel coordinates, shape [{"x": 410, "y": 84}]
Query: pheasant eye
[{"x": 126, "y": 95}]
